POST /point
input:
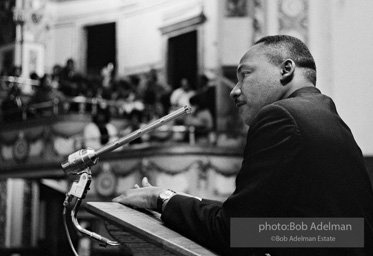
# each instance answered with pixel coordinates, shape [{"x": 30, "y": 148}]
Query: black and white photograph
[{"x": 186, "y": 127}]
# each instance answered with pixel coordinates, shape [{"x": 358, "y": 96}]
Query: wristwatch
[{"x": 164, "y": 196}]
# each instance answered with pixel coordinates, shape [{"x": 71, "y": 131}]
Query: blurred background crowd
[{"x": 137, "y": 99}]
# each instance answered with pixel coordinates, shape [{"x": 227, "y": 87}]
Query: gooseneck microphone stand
[{"x": 78, "y": 167}]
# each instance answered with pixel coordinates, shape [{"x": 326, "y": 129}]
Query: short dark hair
[{"x": 284, "y": 47}]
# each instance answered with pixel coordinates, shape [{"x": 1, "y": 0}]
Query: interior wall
[
  {"x": 67, "y": 37},
  {"x": 210, "y": 38},
  {"x": 353, "y": 65},
  {"x": 139, "y": 46},
  {"x": 142, "y": 47},
  {"x": 340, "y": 37},
  {"x": 64, "y": 43},
  {"x": 235, "y": 41}
]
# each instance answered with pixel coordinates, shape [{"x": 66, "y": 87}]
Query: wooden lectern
[{"x": 143, "y": 232}]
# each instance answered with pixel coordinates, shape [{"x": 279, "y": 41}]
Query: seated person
[
  {"x": 45, "y": 93},
  {"x": 11, "y": 107},
  {"x": 180, "y": 97},
  {"x": 201, "y": 119}
]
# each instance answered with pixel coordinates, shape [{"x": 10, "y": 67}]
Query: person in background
[
  {"x": 201, "y": 119},
  {"x": 300, "y": 160},
  {"x": 33, "y": 83},
  {"x": 207, "y": 96},
  {"x": 43, "y": 102},
  {"x": 101, "y": 119},
  {"x": 127, "y": 100},
  {"x": 17, "y": 71},
  {"x": 56, "y": 75},
  {"x": 180, "y": 96},
  {"x": 106, "y": 90},
  {"x": 12, "y": 105},
  {"x": 68, "y": 79},
  {"x": 153, "y": 95},
  {"x": 34, "y": 76}
]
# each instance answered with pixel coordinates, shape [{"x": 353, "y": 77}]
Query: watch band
[{"x": 164, "y": 196}]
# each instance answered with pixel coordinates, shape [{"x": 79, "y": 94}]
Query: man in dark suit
[{"x": 300, "y": 160}]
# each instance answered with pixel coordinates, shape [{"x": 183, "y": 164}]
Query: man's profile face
[{"x": 258, "y": 83}]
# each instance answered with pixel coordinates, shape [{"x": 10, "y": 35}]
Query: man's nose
[{"x": 236, "y": 92}]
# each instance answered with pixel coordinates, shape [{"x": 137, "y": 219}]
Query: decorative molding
[
  {"x": 259, "y": 19},
  {"x": 106, "y": 182},
  {"x": 202, "y": 166},
  {"x": 35, "y": 150},
  {"x": 21, "y": 149},
  {"x": 293, "y": 18},
  {"x": 236, "y": 8},
  {"x": 197, "y": 20},
  {"x": 36, "y": 20}
]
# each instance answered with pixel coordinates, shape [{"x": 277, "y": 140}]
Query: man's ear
[{"x": 287, "y": 71}]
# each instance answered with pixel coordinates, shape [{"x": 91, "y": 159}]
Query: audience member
[
  {"x": 154, "y": 91},
  {"x": 9, "y": 76},
  {"x": 101, "y": 119},
  {"x": 134, "y": 82},
  {"x": 68, "y": 79},
  {"x": 45, "y": 93},
  {"x": 180, "y": 96},
  {"x": 34, "y": 76},
  {"x": 207, "y": 95},
  {"x": 134, "y": 119},
  {"x": 128, "y": 103},
  {"x": 17, "y": 71},
  {"x": 106, "y": 89},
  {"x": 201, "y": 119},
  {"x": 56, "y": 74},
  {"x": 100, "y": 131},
  {"x": 35, "y": 81},
  {"x": 12, "y": 105}
]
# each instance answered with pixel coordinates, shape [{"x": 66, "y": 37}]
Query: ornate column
[
  {"x": 31, "y": 29},
  {"x": 18, "y": 213},
  {"x": 3, "y": 208},
  {"x": 19, "y": 20}
]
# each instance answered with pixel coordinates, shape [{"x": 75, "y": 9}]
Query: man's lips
[{"x": 238, "y": 103}]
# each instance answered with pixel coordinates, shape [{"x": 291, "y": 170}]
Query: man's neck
[{"x": 296, "y": 85}]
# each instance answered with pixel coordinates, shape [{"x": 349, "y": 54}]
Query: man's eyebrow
[{"x": 242, "y": 66}]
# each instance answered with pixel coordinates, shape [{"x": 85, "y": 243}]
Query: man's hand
[{"x": 141, "y": 197}]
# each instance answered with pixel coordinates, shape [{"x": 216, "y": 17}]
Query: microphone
[
  {"x": 86, "y": 158},
  {"x": 78, "y": 166}
]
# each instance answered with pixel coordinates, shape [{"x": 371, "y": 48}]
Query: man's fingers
[
  {"x": 142, "y": 197},
  {"x": 145, "y": 182},
  {"x": 117, "y": 199}
]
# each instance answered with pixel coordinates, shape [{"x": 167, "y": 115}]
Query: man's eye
[{"x": 245, "y": 74}]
